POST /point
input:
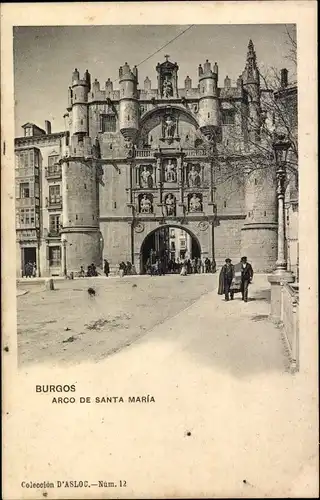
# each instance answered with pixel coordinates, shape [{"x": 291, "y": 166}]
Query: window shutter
[
  {"x": 17, "y": 190},
  {"x": 31, "y": 188}
]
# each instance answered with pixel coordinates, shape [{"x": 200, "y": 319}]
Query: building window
[
  {"x": 28, "y": 132},
  {"x": 182, "y": 244},
  {"x": 108, "y": 123},
  {"x": 228, "y": 117},
  {"x": 25, "y": 190},
  {"x": 172, "y": 233},
  {"x": 225, "y": 204},
  {"x": 27, "y": 216},
  {"x": 54, "y": 194},
  {"x": 54, "y": 224},
  {"x": 52, "y": 160},
  {"x": 54, "y": 256}
]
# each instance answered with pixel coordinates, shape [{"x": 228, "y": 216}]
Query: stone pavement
[{"x": 228, "y": 419}]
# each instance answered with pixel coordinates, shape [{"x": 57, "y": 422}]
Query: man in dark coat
[
  {"x": 246, "y": 277},
  {"x": 106, "y": 268},
  {"x": 225, "y": 280}
]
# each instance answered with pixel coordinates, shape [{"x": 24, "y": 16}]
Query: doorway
[
  {"x": 29, "y": 254},
  {"x": 171, "y": 245}
]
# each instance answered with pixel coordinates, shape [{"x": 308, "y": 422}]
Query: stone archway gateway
[{"x": 170, "y": 243}]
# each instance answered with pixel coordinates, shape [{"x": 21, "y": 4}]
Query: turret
[
  {"x": 129, "y": 106},
  {"x": 147, "y": 83},
  {"x": 80, "y": 189},
  {"x": 251, "y": 84},
  {"x": 209, "y": 115},
  {"x": 188, "y": 83},
  {"x": 109, "y": 86},
  {"x": 80, "y": 89}
]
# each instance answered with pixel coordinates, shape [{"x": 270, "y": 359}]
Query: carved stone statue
[
  {"x": 146, "y": 180},
  {"x": 194, "y": 178},
  {"x": 195, "y": 204},
  {"x": 170, "y": 173},
  {"x": 169, "y": 127},
  {"x": 171, "y": 204},
  {"x": 145, "y": 205},
  {"x": 167, "y": 90}
]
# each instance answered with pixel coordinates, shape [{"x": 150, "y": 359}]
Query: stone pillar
[{"x": 281, "y": 274}]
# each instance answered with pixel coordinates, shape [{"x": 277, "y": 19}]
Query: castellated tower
[
  {"x": 259, "y": 232},
  {"x": 80, "y": 191},
  {"x": 129, "y": 104},
  {"x": 209, "y": 115}
]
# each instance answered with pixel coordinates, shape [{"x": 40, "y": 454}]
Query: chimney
[
  {"x": 47, "y": 126},
  {"x": 284, "y": 77}
]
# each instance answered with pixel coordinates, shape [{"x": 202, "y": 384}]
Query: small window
[
  {"x": 76, "y": 216},
  {"x": 228, "y": 117},
  {"x": 115, "y": 204},
  {"x": 25, "y": 190},
  {"x": 225, "y": 204},
  {"x": 255, "y": 181},
  {"x": 265, "y": 213},
  {"x": 108, "y": 123},
  {"x": 81, "y": 121},
  {"x": 85, "y": 186},
  {"x": 208, "y": 115},
  {"x": 110, "y": 146}
]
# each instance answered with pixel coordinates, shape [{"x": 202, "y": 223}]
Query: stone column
[{"x": 281, "y": 274}]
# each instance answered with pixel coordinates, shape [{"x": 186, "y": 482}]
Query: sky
[{"x": 44, "y": 58}]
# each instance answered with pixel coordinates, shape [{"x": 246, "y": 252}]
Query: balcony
[
  {"x": 54, "y": 202},
  {"x": 25, "y": 202},
  {"x": 53, "y": 233},
  {"x": 54, "y": 172},
  {"x": 195, "y": 153},
  {"x": 144, "y": 153},
  {"x": 189, "y": 153}
]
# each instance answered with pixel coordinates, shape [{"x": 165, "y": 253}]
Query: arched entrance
[{"x": 171, "y": 245}]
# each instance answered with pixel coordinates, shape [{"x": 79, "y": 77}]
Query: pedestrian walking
[
  {"x": 106, "y": 268},
  {"x": 246, "y": 277},
  {"x": 225, "y": 280}
]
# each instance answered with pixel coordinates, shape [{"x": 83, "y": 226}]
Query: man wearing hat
[
  {"x": 225, "y": 280},
  {"x": 246, "y": 277}
]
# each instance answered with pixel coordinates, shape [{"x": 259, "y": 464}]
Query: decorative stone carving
[
  {"x": 146, "y": 204},
  {"x": 167, "y": 89},
  {"x": 170, "y": 202},
  {"x": 146, "y": 177},
  {"x": 203, "y": 225},
  {"x": 195, "y": 203},
  {"x": 170, "y": 173},
  {"x": 139, "y": 227},
  {"x": 169, "y": 127},
  {"x": 194, "y": 178}
]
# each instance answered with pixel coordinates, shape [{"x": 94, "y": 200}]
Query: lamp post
[
  {"x": 281, "y": 274},
  {"x": 281, "y": 147}
]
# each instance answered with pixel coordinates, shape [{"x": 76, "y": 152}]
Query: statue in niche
[
  {"x": 170, "y": 204},
  {"x": 195, "y": 204},
  {"x": 194, "y": 179},
  {"x": 169, "y": 127},
  {"x": 167, "y": 90},
  {"x": 170, "y": 172},
  {"x": 146, "y": 178},
  {"x": 145, "y": 205}
]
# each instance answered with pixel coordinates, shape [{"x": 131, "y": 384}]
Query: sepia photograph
[
  {"x": 125, "y": 171},
  {"x": 158, "y": 174}
]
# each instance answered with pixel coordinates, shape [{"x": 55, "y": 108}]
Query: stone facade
[{"x": 133, "y": 160}]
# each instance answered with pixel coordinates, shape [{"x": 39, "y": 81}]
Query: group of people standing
[
  {"x": 30, "y": 270},
  {"x": 235, "y": 278},
  {"x": 126, "y": 269}
]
